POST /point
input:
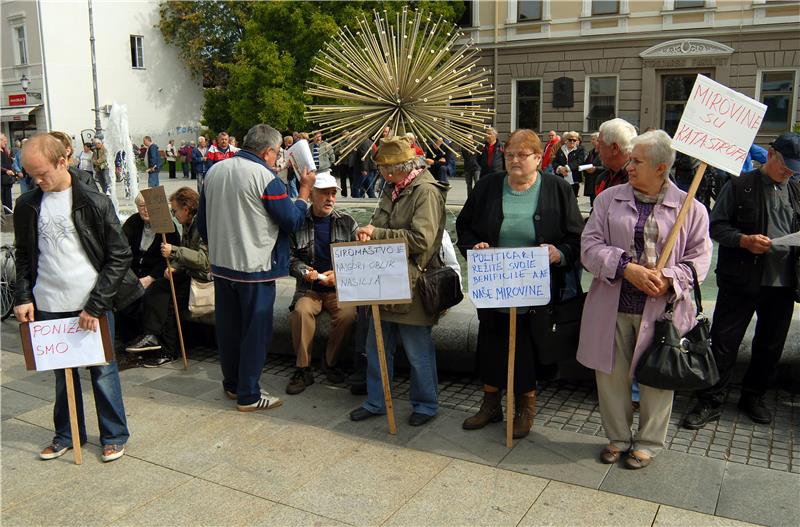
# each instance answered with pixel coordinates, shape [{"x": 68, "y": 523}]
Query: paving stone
[
  {"x": 759, "y": 495},
  {"x": 468, "y": 494},
  {"x": 673, "y": 517},
  {"x": 694, "y": 481}
]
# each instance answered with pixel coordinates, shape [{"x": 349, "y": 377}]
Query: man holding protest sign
[
  {"x": 245, "y": 217},
  {"x": 755, "y": 275},
  {"x": 72, "y": 260}
]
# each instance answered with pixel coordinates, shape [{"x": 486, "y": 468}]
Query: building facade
[
  {"x": 570, "y": 65},
  {"x": 47, "y": 70}
]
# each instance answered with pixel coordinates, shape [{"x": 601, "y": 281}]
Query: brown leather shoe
[
  {"x": 637, "y": 459},
  {"x": 490, "y": 412},
  {"x": 611, "y": 455},
  {"x": 524, "y": 410}
]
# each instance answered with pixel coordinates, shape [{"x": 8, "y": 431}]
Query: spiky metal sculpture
[{"x": 409, "y": 74}]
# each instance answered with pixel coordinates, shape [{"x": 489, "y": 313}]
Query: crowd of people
[{"x": 255, "y": 219}]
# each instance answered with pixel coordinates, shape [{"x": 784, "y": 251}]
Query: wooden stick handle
[
  {"x": 73, "y": 417},
  {"x": 676, "y": 229},
  {"x": 512, "y": 352},
  {"x": 175, "y": 307},
  {"x": 387, "y": 389}
]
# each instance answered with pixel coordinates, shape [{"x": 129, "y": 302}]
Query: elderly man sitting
[{"x": 310, "y": 264}]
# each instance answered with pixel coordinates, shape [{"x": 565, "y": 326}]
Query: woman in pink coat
[{"x": 620, "y": 246}]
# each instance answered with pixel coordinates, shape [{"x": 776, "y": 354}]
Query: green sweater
[{"x": 517, "y": 229}]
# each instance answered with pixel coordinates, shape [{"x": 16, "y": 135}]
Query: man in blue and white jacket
[{"x": 246, "y": 216}]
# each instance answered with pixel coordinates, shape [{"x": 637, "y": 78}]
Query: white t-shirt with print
[{"x": 65, "y": 276}]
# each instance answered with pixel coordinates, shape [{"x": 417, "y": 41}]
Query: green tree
[{"x": 255, "y": 57}]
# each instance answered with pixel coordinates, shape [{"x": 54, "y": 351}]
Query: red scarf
[{"x": 398, "y": 187}]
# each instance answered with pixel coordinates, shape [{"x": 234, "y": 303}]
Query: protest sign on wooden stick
[{"x": 374, "y": 273}]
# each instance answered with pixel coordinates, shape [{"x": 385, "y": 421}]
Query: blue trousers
[
  {"x": 421, "y": 353},
  {"x": 152, "y": 179},
  {"x": 107, "y": 391},
  {"x": 243, "y": 314}
]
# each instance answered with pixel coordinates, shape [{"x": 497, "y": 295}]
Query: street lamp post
[{"x": 98, "y": 130}]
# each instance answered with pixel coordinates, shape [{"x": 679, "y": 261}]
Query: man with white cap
[{"x": 311, "y": 265}]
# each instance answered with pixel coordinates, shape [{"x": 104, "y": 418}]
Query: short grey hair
[
  {"x": 659, "y": 148},
  {"x": 618, "y": 131},
  {"x": 491, "y": 130},
  {"x": 139, "y": 199},
  {"x": 406, "y": 166},
  {"x": 595, "y": 135},
  {"x": 260, "y": 137}
]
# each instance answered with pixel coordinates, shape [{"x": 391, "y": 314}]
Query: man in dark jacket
[
  {"x": 471, "y": 167},
  {"x": 152, "y": 160},
  {"x": 491, "y": 159},
  {"x": 441, "y": 161},
  {"x": 754, "y": 275},
  {"x": 72, "y": 260}
]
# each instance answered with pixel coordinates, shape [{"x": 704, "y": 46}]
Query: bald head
[{"x": 45, "y": 159}]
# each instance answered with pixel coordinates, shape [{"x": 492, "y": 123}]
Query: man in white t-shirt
[{"x": 72, "y": 260}]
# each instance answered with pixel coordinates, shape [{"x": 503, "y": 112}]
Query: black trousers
[
  {"x": 471, "y": 178},
  {"x": 7, "y": 199},
  {"x": 493, "y": 351},
  {"x": 345, "y": 175},
  {"x": 171, "y": 165},
  {"x": 158, "y": 315},
  {"x": 773, "y": 307}
]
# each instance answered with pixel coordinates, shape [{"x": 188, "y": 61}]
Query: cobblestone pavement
[{"x": 573, "y": 407}]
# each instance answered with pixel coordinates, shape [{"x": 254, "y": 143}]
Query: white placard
[
  {"x": 372, "y": 272},
  {"x": 792, "y": 240},
  {"x": 718, "y": 125},
  {"x": 60, "y": 343},
  {"x": 513, "y": 277},
  {"x": 581, "y": 168},
  {"x": 301, "y": 157}
]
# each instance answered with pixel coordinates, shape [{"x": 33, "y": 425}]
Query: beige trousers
[
  {"x": 614, "y": 392},
  {"x": 303, "y": 321}
]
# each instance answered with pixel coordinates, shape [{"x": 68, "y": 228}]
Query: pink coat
[{"x": 609, "y": 233}]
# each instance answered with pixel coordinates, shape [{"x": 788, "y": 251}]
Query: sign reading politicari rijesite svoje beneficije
[{"x": 509, "y": 277}]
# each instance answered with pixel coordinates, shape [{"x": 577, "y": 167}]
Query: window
[
  {"x": 137, "y": 53},
  {"x": 466, "y": 16},
  {"x": 528, "y": 103},
  {"x": 605, "y": 7},
  {"x": 601, "y": 101},
  {"x": 777, "y": 92},
  {"x": 529, "y": 10},
  {"x": 686, "y": 4},
  {"x": 21, "y": 47}
]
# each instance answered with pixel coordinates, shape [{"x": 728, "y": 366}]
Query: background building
[
  {"x": 47, "y": 43},
  {"x": 570, "y": 65}
]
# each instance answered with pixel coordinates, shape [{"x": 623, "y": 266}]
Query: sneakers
[
  {"x": 301, "y": 378},
  {"x": 266, "y": 402},
  {"x": 144, "y": 343},
  {"x": 54, "y": 450},
  {"x": 702, "y": 414},
  {"x": 754, "y": 407},
  {"x": 112, "y": 452},
  {"x": 155, "y": 362}
]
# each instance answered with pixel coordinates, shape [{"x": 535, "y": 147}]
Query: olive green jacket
[
  {"x": 192, "y": 255},
  {"x": 418, "y": 217}
]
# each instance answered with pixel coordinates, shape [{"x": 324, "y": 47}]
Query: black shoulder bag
[
  {"x": 439, "y": 289},
  {"x": 675, "y": 362}
]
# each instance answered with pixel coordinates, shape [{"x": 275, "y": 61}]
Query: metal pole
[{"x": 98, "y": 129}]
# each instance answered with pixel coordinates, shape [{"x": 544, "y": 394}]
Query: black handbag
[
  {"x": 675, "y": 362},
  {"x": 439, "y": 289},
  {"x": 556, "y": 329}
]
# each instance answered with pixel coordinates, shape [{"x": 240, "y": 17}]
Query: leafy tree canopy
[{"x": 254, "y": 58}]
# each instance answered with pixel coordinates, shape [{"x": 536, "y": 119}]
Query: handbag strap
[{"x": 697, "y": 296}]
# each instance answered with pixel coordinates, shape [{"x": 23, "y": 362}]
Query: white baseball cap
[{"x": 325, "y": 180}]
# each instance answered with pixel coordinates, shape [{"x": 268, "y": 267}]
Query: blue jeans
[
  {"x": 185, "y": 165},
  {"x": 292, "y": 188},
  {"x": 369, "y": 184},
  {"x": 244, "y": 334},
  {"x": 421, "y": 353},
  {"x": 107, "y": 391},
  {"x": 152, "y": 179}
]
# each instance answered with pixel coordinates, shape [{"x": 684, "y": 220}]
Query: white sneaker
[{"x": 266, "y": 402}]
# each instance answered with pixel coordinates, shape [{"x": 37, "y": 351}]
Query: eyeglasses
[
  {"x": 572, "y": 140},
  {"x": 510, "y": 156}
]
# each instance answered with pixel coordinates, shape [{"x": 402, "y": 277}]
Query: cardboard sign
[
  {"x": 155, "y": 199},
  {"x": 512, "y": 277},
  {"x": 374, "y": 272},
  {"x": 58, "y": 344},
  {"x": 718, "y": 125}
]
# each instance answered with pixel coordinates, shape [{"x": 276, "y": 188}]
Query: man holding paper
[
  {"x": 754, "y": 275},
  {"x": 72, "y": 260}
]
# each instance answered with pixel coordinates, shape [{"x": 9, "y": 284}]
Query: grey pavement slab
[
  {"x": 759, "y": 495},
  {"x": 318, "y": 405},
  {"x": 563, "y": 504},
  {"x": 285, "y": 516},
  {"x": 369, "y": 486},
  {"x": 182, "y": 383},
  {"x": 469, "y": 494},
  {"x": 673, "y": 517},
  {"x": 12, "y": 365},
  {"x": 283, "y": 462},
  {"x": 682, "y": 480},
  {"x": 198, "y": 502},
  {"x": 15, "y": 403},
  {"x": 444, "y": 435},
  {"x": 377, "y": 428},
  {"x": 558, "y": 455}
]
